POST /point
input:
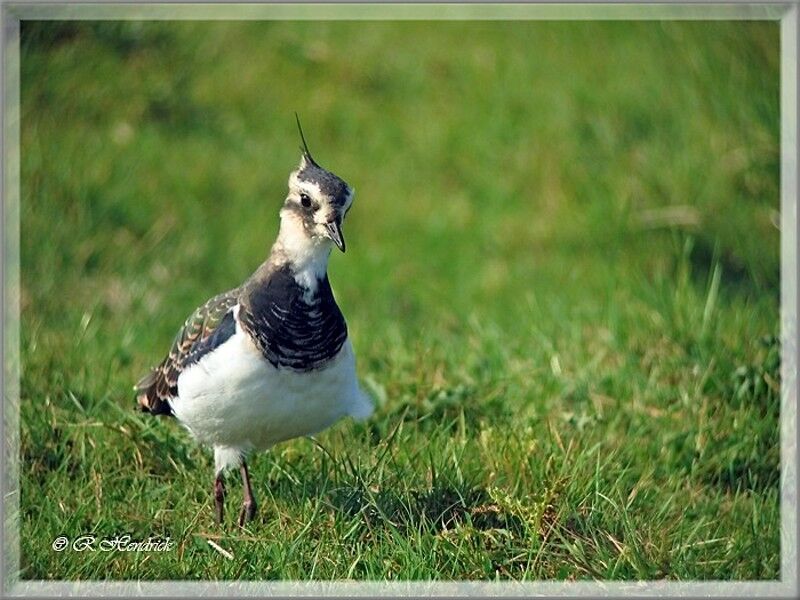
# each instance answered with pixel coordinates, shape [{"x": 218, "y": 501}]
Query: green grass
[{"x": 570, "y": 382}]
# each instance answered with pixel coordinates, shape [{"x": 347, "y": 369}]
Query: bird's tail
[{"x": 147, "y": 397}]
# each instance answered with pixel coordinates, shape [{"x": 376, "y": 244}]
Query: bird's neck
[{"x": 305, "y": 255}]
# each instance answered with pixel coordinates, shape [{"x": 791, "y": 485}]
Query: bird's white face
[{"x": 317, "y": 204}]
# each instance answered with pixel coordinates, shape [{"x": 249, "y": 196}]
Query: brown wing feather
[{"x": 155, "y": 389}]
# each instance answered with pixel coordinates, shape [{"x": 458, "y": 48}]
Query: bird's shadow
[{"x": 439, "y": 507}]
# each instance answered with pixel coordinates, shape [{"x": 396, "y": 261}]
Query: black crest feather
[{"x": 304, "y": 147}]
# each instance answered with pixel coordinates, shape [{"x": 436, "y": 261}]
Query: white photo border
[{"x": 13, "y": 13}]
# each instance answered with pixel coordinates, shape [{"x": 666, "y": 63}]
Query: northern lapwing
[{"x": 269, "y": 360}]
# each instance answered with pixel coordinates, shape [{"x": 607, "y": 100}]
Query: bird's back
[{"x": 209, "y": 326}]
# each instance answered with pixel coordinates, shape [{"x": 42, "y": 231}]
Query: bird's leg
[
  {"x": 249, "y": 505},
  {"x": 219, "y": 496}
]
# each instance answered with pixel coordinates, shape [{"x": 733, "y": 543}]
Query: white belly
[{"x": 234, "y": 398}]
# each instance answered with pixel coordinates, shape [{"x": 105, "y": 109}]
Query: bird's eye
[{"x": 305, "y": 200}]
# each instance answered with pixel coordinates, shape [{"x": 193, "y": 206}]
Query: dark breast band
[{"x": 301, "y": 333}]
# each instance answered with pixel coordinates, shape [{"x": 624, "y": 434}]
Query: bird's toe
[{"x": 247, "y": 513}]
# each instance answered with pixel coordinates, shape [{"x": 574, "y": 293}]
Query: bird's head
[{"x": 317, "y": 201}]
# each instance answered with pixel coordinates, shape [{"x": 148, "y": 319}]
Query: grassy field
[{"x": 561, "y": 281}]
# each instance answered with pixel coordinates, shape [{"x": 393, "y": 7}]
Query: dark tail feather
[{"x": 147, "y": 396}]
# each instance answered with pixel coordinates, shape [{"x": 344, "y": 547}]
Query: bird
[{"x": 270, "y": 360}]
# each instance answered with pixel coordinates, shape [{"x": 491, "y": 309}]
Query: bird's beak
[{"x": 335, "y": 233}]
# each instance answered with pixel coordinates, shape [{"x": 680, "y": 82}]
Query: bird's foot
[{"x": 248, "y": 512}]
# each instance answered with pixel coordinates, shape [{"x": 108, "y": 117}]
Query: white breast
[{"x": 233, "y": 397}]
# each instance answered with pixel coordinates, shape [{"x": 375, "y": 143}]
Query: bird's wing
[{"x": 206, "y": 328}]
